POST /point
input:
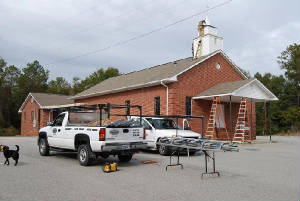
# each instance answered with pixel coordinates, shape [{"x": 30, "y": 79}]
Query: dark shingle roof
[
  {"x": 45, "y": 99},
  {"x": 146, "y": 76}
]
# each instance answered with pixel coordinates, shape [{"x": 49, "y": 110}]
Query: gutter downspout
[{"x": 161, "y": 82}]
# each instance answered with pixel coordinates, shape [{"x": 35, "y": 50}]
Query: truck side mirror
[{"x": 49, "y": 123}]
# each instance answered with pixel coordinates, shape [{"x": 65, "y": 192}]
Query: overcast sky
[{"x": 255, "y": 32}]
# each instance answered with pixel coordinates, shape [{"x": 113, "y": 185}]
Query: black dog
[{"x": 11, "y": 154}]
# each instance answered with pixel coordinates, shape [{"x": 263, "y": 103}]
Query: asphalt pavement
[{"x": 260, "y": 171}]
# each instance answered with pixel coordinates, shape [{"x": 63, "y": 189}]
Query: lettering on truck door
[
  {"x": 67, "y": 136},
  {"x": 56, "y": 131}
]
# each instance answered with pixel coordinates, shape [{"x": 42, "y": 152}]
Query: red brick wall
[
  {"x": 202, "y": 77},
  {"x": 27, "y": 128},
  {"x": 190, "y": 83},
  {"x": 144, "y": 97},
  {"x": 27, "y": 124}
]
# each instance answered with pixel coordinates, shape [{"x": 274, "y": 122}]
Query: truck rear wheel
[
  {"x": 125, "y": 158},
  {"x": 84, "y": 155},
  {"x": 44, "y": 147}
]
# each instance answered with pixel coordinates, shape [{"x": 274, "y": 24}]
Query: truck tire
[
  {"x": 44, "y": 148},
  {"x": 125, "y": 158},
  {"x": 163, "y": 150},
  {"x": 84, "y": 155}
]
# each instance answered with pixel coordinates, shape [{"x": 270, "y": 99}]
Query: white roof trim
[
  {"x": 170, "y": 79},
  {"x": 210, "y": 96},
  {"x": 234, "y": 93},
  {"x": 24, "y": 103},
  {"x": 62, "y": 106}
]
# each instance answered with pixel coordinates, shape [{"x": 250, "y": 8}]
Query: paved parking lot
[{"x": 262, "y": 171}]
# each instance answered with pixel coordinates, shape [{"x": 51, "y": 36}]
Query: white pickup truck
[
  {"x": 77, "y": 131},
  {"x": 157, "y": 128}
]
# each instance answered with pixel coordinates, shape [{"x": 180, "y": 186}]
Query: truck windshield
[{"x": 163, "y": 123}]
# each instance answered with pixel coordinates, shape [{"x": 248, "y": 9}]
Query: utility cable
[{"x": 141, "y": 35}]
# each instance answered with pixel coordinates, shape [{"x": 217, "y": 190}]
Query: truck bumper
[{"x": 117, "y": 147}]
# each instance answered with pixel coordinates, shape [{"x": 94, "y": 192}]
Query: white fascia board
[
  {"x": 210, "y": 96},
  {"x": 148, "y": 84},
  {"x": 62, "y": 106},
  {"x": 25, "y": 101}
]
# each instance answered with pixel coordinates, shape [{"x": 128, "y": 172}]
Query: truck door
[
  {"x": 150, "y": 134},
  {"x": 55, "y": 137}
]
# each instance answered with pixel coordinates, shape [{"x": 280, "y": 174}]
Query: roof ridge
[
  {"x": 49, "y": 93},
  {"x": 156, "y": 66}
]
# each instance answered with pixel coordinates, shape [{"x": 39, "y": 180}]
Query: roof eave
[
  {"x": 166, "y": 80},
  {"x": 148, "y": 84},
  {"x": 209, "y": 96},
  {"x": 62, "y": 106},
  {"x": 25, "y": 101}
]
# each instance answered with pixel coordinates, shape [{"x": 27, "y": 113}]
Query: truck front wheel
[
  {"x": 43, "y": 147},
  {"x": 84, "y": 155},
  {"x": 125, "y": 158}
]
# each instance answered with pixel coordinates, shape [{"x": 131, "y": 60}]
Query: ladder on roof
[
  {"x": 214, "y": 115},
  {"x": 242, "y": 132}
]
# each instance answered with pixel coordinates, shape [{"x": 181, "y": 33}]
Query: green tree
[
  {"x": 289, "y": 61},
  {"x": 284, "y": 112},
  {"x": 276, "y": 84},
  {"x": 76, "y": 85},
  {"x": 2, "y": 95},
  {"x": 9, "y": 76},
  {"x": 59, "y": 86},
  {"x": 33, "y": 78}
]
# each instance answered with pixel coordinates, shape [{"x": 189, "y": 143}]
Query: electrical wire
[
  {"x": 141, "y": 35},
  {"x": 120, "y": 28}
]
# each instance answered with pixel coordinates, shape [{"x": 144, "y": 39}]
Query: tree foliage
[
  {"x": 59, "y": 86},
  {"x": 15, "y": 84},
  {"x": 284, "y": 113}
]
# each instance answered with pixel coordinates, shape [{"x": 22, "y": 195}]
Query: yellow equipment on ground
[{"x": 110, "y": 167}]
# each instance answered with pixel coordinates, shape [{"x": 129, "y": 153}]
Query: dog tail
[{"x": 17, "y": 148}]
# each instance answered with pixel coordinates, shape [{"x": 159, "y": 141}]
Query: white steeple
[{"x": 207, "y": 41}]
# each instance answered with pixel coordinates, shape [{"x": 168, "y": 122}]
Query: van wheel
[
  {"x": 125, "y": 158},
  {"x": 191, "y": 153},
  {"x": 163, "y": 150},
  {"x": 84, "y": 155},
  {"x": 44, "y": 147}
]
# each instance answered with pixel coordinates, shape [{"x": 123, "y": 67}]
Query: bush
[{"x": 10, "y": 131}]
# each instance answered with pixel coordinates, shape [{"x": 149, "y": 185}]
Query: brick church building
[{"x": 183, "y": 87}]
